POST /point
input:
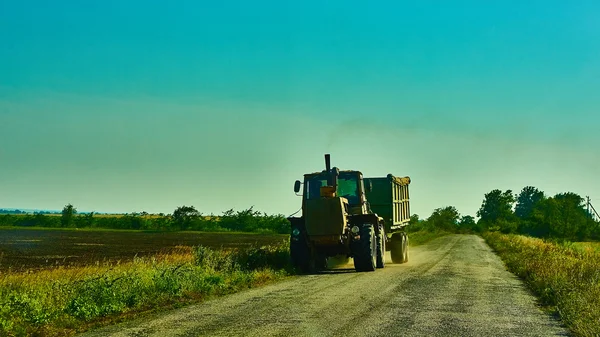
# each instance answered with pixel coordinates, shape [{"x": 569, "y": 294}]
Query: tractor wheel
[
  {"x": 397, "y": 249},
  {"x": 365, "y": 252},
  {"x": 301, "y": 256},
  {"x": 381, "y": 248},
  {"x": 320, "y": 262}
]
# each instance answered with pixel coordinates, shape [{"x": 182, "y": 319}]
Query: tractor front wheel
[
  {"x": 301, "y": 256},
  {"x": 365, "y": 252}
]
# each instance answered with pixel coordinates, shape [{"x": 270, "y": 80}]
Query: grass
[
  {"x": 565, "y": 277},
  {"x": 62, "y": 301},
  {"x": 587, "y": 246},
  {"x": 423, "y": 236}
]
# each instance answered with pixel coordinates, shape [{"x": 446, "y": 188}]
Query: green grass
[
  {"x": 587, "y": 246},
  {"x": 423, "y": 236},
  {"x": 565, "y": 277},
  {"x": 62, "y": 301}
]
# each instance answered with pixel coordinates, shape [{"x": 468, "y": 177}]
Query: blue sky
[{"x": 141, "y": 105}]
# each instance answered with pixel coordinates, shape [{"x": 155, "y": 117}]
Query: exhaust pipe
[{"x": 332, "y": 174}]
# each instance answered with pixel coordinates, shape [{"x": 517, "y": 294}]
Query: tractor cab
[{"x": 349, "y": 186}]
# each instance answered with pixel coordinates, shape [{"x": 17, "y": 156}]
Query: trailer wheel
[
  {"x": 381, "y": 248},
  {"x": 405, "y": 247},
  {"x": 365, "y": 252},
  {"x": 398, "y": 248}
]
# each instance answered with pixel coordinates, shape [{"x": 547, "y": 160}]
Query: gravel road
[{"x": 452, "y": 286}]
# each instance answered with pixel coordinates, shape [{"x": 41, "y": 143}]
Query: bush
[{"x": 249, "y": 259}]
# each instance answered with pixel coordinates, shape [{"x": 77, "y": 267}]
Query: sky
[{"x": 130, "y": 106}]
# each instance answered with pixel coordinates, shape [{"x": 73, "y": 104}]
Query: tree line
[
  {"x": 530, "y": 212},
  {"x": 183, "y": 218}
]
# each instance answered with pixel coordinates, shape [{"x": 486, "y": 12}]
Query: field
[{"x": 22, "y": 249}]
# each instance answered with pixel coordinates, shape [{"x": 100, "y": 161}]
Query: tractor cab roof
[{"x": 310, "y": 175}]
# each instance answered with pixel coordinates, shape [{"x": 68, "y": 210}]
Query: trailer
[{"x": 389, "y": 198}]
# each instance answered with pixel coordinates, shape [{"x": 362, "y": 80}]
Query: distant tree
[
  {"x": 414, "y": 219},
  {"x": 496, "y": 211},
  {"x": 89, "y": 219},
  {"x": 68, "y": 213},
  {"x": 526, "y": 202},
  {"x": 466, "y": 220},
  {"x": 574, "y": 215},
  {"x": 468, "y": 223},
  {"x": 134, "y": 221},
  {"x": 562, "y": 216},
  {"x": 444, "y": 218},
  {"x": 183, "y": 216}
]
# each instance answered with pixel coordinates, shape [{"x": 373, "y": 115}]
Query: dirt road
[{"x": 453, "y": 286}]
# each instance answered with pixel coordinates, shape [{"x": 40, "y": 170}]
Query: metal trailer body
[{"x": 388, "y": 197}]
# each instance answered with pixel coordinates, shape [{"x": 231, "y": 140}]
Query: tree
[
  {"x": 416, "y": 224},
  {"x": 562, "y": 216},
  {"x": 444, "y": 218},
  {"x": 467, "y": 222},
  {"x": 89, "y": 219},
  {"x": 496, "y": 210},
  {"x": 526, "y": 202},
  {"x": 574, "y": 216},
  {"x": 68, "y": 212},
  {"x": 184, "y": 215}
]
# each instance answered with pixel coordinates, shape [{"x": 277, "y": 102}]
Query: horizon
[
  {"x": 585, "y": 200},
  {"x": 224, "y": 106}
]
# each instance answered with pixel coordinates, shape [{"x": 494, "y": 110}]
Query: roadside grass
[
  {"x": 565, "y": 277},
  {"x": 587, "y": 246},
  {"x": 65, "y": 300},
  {"x": 423, "y": 236}
]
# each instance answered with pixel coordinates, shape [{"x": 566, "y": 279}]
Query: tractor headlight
[
  {"x": 355, "y": 229},
  {"x": 296, "y": 232}
]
